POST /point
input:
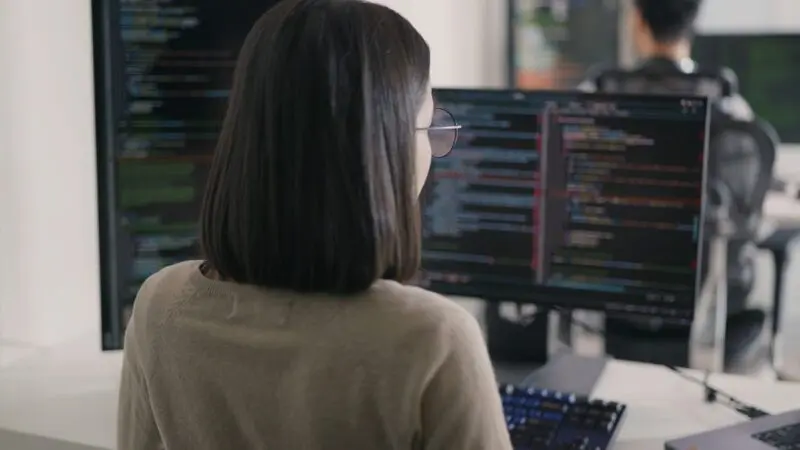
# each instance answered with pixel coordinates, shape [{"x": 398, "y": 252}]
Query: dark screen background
[
  {"x": 163, "y": 71},
  {"x": 768, "y": 68}
]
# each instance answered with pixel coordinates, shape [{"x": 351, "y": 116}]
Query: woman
[{"x": 295, "y": 332}]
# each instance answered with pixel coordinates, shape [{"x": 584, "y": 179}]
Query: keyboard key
[{"x": 783, "y": 438}]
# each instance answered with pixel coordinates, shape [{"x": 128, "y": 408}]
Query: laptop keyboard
[{"x": 783, "y": 438}]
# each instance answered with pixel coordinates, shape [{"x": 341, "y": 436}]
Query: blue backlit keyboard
[{"x": 539, "y": 419}]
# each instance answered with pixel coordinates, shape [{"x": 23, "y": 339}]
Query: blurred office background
[{"x": 49, "y": 273}]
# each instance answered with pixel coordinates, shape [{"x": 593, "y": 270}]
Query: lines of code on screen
[
  {"x": 172, "y": 61},
  {"x": 594, "y": 203}
]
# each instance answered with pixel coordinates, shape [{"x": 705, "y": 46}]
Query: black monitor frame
[
  {"x": 106, "y": 100},
  {"x": 566, "y": 298}
]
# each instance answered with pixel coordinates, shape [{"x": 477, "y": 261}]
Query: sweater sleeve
[
  {"x": 461, "y": 404},
  {"x": 136, "y": 426}
]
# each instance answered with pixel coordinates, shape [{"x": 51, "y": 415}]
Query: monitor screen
[
  {"x": 573, "y": 200},
  {"x": 162, "y": 74},
  {"x": 768, "y": 74}
]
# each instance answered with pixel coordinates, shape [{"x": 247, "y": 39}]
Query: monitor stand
[
  {"x": 541, "y": 350},
  {"x": 568, "y": 373},
  {"x": 550, "y": 342}
]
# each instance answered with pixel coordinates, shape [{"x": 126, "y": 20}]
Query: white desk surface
[{"x": 69, "y": 394}]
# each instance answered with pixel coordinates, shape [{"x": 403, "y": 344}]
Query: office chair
[
  {"x": 704, "y": 83},
  {"x": 730, "y": 150},
  {"x": 780, "y": 240},
  {"x": 741, "y": 159}
]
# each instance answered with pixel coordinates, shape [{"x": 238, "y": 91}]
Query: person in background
[
  {"x": 663, "y": 31},
  {"x": 662, "y": 36},
  {"x": 296, "y": 331}
]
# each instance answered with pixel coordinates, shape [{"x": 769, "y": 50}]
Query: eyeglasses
[{"x": 443, "y": 132}]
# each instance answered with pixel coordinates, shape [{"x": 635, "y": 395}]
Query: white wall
[
  {"x": 8, "y": 192},
  {"x": 48, "y": 232},
  {"x": 467, "y": 39},
  {"x": 745, "y": 16},
  {"x": 48, "y": 243}
]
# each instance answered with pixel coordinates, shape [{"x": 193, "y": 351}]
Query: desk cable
[{"x": 712, "y": 394}]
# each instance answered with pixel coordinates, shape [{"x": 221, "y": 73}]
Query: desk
[
  {"x": 68, "y": 394},
  {"x": 663, "y": 406}
]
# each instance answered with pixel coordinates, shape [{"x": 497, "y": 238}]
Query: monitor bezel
[{"x": 103, "y": 45}]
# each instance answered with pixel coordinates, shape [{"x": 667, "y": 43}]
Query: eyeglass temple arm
[{"x": 446, "y": 127}]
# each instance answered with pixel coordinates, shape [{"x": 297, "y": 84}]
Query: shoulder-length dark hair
[{"x": 312, "y": 187}]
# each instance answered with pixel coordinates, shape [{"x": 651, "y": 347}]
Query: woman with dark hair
[{"x": 295, "y": 331}]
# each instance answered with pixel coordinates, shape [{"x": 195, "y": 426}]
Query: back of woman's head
[{"x": 312, "y": 187}]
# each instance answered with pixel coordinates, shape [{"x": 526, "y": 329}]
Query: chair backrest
[
  {"x": 742, "y": 158},
  {"x": 712, "y": 84}
]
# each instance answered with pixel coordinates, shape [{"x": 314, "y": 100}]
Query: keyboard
[{"x": 539, "y": 419}]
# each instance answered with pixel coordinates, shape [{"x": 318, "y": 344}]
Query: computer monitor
[
  {"x": 162, "y": 74},
  {"x": 569, "y": 200},
  {"x": 768, "y": 73}
]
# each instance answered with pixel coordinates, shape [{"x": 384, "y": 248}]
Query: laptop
[{"x": 776, "y": 432}]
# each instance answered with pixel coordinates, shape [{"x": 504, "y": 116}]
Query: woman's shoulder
[
  {"x": 173, "y": 278},
  {"x": 422, "y": 327},
  {"x": 166, "y": 288},
  {"x": 420, "y": 306}
]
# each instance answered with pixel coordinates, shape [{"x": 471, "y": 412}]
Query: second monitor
[{"x": 570, "y": 200}]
